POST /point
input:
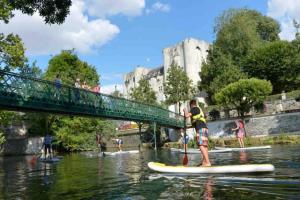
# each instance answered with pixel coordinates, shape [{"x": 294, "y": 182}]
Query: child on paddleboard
[
  {"x": 183, "y": 141},
  {"x": 240, "y": 132},
  {"x": 199, "y": 123}
]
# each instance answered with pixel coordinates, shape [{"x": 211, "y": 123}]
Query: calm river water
[{"x": 85, "y": 176}]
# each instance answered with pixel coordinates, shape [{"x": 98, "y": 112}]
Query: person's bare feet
[
  {"x": 203, "y": 165},
  {"x": 206, "y": 165}
]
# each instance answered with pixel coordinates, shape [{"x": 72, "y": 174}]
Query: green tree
[
  {"x": 78, "y": 133},
  {"x": 143, "y": 92},
  {"x": 244, "y": 94},
  {"x": 278, "y": 62},
  {"x": 238, "y": 33},
  {"x": 297, "y": 27},
  {"x": 2, "y": 138},
  {"x": 70, "y": 67},
  {"x": 217, "y": 74},
  {"x": 178, "y": 87},
  {"x": 75, "y": 133},
  {"x": 7, "y": 118},
  {"x": 12, "y": 52},
  {"x": 53, "y": 12}
]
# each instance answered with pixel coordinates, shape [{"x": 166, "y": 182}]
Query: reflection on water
[
  {"x": 86, "y": 176},
  {"x": 243, "y": 157}
]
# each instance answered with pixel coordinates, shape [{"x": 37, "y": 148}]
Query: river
[{"x": 126, "y": 177}]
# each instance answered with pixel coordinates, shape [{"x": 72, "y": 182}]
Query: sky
[{"x": 116, "y": 36}]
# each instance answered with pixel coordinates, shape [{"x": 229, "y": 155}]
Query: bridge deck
[{"x": 23, "y": 93}]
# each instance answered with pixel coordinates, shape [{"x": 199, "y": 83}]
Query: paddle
[{"x": 185, "y": 158}]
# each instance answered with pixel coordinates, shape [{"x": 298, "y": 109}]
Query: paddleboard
[
  {"x": 197, "y": 151},
  {"x": 246, "y": 148},
  {"x": 50, "y": 160},
  {"x": 120, "y": 152},
  {"x": 175, "y": 149},
  {"x": 249, "y": 168}
]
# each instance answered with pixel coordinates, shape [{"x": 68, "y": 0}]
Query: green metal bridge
[{"x": 24, "y": 93}]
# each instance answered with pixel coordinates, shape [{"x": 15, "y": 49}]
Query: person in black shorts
[
  {"x": 199, "y": 123},
  {"x": 118, "y": 142},
  {"x": 101, "y": 144}
]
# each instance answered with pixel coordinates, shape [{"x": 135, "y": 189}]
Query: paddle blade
[{"x": 185, "y": 160}]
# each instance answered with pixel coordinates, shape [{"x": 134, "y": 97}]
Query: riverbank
[{"x": 249, "y": 141}]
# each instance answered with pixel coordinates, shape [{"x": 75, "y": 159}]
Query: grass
[{"x": 249, "y": 141}]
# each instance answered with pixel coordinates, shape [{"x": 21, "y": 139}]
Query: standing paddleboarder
[
  {"x": 118, "y": 142},
  {"x": 240, "y": 132},
  {"x": 199, "y": 123}
]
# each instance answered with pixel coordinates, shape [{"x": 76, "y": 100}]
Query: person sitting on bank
[
  {"x": 119, "y": 143},
  {"x": 240, "y": 132},
  {"x": 48, "y": 145}
]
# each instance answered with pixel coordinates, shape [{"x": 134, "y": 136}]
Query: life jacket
[{"x": 199, "y": 116}]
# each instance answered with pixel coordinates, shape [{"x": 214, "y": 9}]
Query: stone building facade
[
  {"x": 131, "y": 79},
  {"x": 188, "y": 54},
  {"x": 154, "y": 76}
]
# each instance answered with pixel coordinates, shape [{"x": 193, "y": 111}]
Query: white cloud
[
  {"x": 103, "y": 8},
  {"x": 77, "y": 32},
  {"x": 158, "y": 7},
  {"x": 285, "y": 11},
  {"x": 108, "y": 89},
  {"x": 85, "y": 29}
]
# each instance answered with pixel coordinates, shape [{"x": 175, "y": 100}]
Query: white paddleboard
[
  {"x": 50, "y": 160},
  {"x": 220, "y": 150},
  {"x": 175, "y": 149},
  {"x": 197, "y": 151},
  {"x": 160, "y": 167},
  {"x": 246, "y": 148},
  {"x": 120, "y": 152}
]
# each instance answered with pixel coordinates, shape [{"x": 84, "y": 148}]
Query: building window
[{"x": 160, "y": 88}]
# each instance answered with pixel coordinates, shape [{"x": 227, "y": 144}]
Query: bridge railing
[{"x": 20, "y": 92}]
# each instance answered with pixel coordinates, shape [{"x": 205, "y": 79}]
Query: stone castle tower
[{"x": 188, "y": 54}]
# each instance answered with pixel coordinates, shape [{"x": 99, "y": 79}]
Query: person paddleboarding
[
  {"x": 183, "y": 140},
  {"x": 199, "y": 123},
  {"x": 240, "y": 132},
  {"x": 119, "y": 143},
  {"x": 47, "y": 143}
]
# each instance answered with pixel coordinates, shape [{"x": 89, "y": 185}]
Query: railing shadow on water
[{"x": 28, "y": 93}]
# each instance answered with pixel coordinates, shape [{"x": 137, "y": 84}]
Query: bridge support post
[{"x": 154, "y": 132}]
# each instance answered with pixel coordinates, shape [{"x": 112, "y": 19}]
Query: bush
[
  {"x": 294, "y": 95},
  {"x": 259, "y": 107},
  {"x": 2, "y": 138}
]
